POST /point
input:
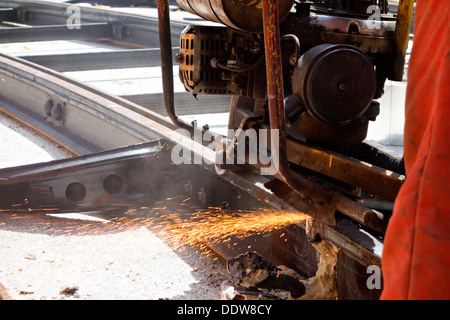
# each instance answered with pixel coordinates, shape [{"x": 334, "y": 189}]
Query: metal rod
[
  {"x": 276, "y": 96},
  {"x": 274, "y": 78},
  {"x": 276, "y": 109},
  {"x": 167, "y": 65},
  {"x": 402, "y": 28}
]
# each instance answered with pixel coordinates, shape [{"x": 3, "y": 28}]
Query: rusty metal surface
[
  {"x": 276, "y": 97},
  {"x": 324, "y": 202},
  {"x": 380, "y": 181},
  {"x": 237, "y": 14}
]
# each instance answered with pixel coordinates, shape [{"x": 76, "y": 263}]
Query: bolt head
[{"x": 179, "y": 58}]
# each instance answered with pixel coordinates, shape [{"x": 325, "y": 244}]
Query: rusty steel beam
[{"x": 374, "y": 179}]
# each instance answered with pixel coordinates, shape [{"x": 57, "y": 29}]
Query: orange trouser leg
[{"x": 416, "y": 255}]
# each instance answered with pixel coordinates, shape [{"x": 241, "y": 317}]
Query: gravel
[{"x": 87, "y": 257}]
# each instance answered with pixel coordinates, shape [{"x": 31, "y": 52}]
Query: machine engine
[{"x": 336, "y": 56}]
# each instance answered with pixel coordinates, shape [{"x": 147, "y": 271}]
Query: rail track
[{"x": 124, "y": 142}]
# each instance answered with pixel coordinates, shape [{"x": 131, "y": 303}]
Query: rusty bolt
[{"x": 179, "y": 58}]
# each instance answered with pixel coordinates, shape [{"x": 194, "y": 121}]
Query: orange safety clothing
[{"x": 416, "y": 254}]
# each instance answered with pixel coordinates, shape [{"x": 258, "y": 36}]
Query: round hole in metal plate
[
  {"x": 113, "y": 184},
  {"x": 75, "y": 192}
]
